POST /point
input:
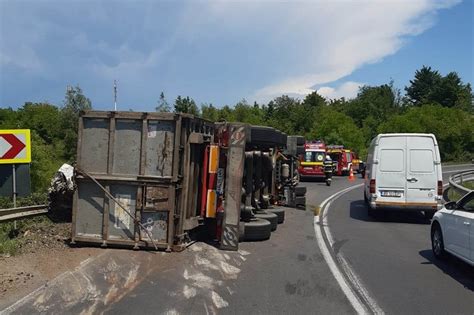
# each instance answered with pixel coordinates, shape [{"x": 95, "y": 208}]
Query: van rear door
[
  {"x": 390, "y": 171},
  {"x": 421, "y": 172}
]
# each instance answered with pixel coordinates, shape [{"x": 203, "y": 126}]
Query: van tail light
[
  {"x": 372, "y": 186},
  {"x": 440, "y": 187}
]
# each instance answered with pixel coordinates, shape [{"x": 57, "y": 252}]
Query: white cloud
[
  {"x": 347, "y": 35},
  {"x": 347, "y": 90},
  {"x": 252, "y": 49}
]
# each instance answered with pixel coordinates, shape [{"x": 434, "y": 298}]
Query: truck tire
[
  {"x": 300, "y": 140},
  {"x": 264, "y": 135},
  {"x": 257, "y": 230},
  {"x": 299, "y": 149},
  {"x": 283, "y": 139},
  {"x": 300, "y": 191},
  {"x": 270, "y": 217},
  {"x": 241, "y": 231},
  {"x": 280, "y": 212},
  {"x": 300, "y": 201}
]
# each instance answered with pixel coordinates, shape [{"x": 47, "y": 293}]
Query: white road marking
[{"x": 347, "y": 276}]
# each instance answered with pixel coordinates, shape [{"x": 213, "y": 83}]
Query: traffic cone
[{"x": 351, "y": 175}]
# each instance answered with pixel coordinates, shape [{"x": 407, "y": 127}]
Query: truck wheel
[
  {"x": 241, "y": 231},
  {"x": 280, "y": 212},
  {"x": 300, "y": 140},
  {"x": 300, "y": 191},
  {"x": 264, "y": 135},
  {"x": 257, "y": 230},
  {"x": 300, "y": 201},
  {"x": 270, "y": 217},
  {"x": 300, "y": 149}
]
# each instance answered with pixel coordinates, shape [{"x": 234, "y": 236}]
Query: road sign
[
  {"x": 15, "y": 146},
  {"x": 23, "y": 183}
]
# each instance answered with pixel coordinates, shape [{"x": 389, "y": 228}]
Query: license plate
[
  {"x": 308, "y": 168},
  {"x": 389, "y": 193}
]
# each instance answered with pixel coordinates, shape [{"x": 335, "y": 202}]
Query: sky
[{"x": 221, "y": 52}]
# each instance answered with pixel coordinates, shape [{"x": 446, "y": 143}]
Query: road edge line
[
  {"x": 347, "y": 279},
  {"x": 348, "y": 292}
]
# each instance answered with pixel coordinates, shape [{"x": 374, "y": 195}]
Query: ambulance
[{"x": 311, "y": 162}]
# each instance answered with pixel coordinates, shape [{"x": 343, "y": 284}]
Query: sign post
[{"x": 15, "y": 148}]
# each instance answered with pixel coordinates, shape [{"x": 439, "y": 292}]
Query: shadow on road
[
  {"x": 453, "y": 267},
  {"x": 359, "y": 212}
]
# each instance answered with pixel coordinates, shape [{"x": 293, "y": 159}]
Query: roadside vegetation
[{"x": 432, "y": 103}]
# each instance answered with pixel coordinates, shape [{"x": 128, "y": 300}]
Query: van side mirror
[
  {"x": 376, "y": 161},
  {"x": 437, "y": 162},
  {"x": 450, "y": 205}
]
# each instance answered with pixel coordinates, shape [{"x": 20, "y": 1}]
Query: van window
[
  {"x": 391, "y": 160},
  {"x": 421, "y": 161}
]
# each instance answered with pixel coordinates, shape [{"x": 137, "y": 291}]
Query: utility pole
[{"x": 115, "y": 95}]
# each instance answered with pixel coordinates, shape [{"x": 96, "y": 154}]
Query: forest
[{"x": 431, "y": 103}]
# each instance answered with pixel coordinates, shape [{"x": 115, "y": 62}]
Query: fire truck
[
  {"x": 342, "y": 159},
  {"x": 311, "y": 162}
]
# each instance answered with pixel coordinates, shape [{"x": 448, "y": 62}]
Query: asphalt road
[
  {"x": 284, "y": 275},
  {"x": 392, "y": 257}
]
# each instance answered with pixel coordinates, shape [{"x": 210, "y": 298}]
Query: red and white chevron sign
[{"x": 15, "y": 146}]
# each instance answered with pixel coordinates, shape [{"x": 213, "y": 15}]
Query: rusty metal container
[{"x": 151, "y": 164}]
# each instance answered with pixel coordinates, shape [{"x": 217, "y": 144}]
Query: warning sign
[{"x": 15, "y": 146}]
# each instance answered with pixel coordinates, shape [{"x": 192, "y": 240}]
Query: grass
[
  {"x": 454, "y": 196},
  {"x": 469, "y": 185},
  {"x": 11, "y": 240}
]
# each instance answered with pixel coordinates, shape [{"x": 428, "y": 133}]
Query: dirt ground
[{"x": 43, "y": 255}]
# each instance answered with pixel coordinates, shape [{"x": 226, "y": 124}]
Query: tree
[
  {"x": 163, "y": 105},
  {"x": 453, "y": 129},
  {"x": 186, "y": 105},
  {"x": 430, "y": 87},
  {"x": 452, "y": 92},
  {"x": 44, "y": 118},
  {"x": 74, "y": 103},
  {"x": 314, "y": 100},
  {"x": 337, "y": 128},
  {"x": 209, "y": 112},
  {"x": 423, "y": 87}
]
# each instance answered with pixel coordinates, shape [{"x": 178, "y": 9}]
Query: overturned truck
[{"x": 146, "y": 180}]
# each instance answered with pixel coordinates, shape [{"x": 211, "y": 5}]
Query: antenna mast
[{"x": 115, "y": 95}]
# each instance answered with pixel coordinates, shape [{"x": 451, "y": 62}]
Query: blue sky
[{"x": 222, "y": 51}]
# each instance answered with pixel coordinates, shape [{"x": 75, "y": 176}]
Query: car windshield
[
  {"x": 334, "y": 156},
  {"x": 312, "y": 156}
]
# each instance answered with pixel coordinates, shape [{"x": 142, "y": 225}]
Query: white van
[{"x": 403, "y": 171}]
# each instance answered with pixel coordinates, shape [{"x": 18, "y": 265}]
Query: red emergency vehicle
[
  {"x": 311, "y": 162},
  {"x": 342, "y": 159}
]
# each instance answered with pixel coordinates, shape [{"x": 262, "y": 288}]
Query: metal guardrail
[
  {"x": 21, "y": 212},
  {"x": 456, "y": 180}
]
